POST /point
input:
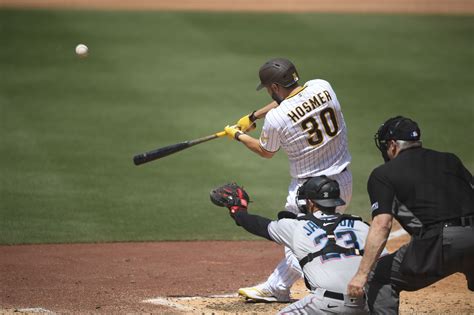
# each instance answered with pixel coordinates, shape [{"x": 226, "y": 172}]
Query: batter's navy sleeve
[{"x": 254, "y": 224}]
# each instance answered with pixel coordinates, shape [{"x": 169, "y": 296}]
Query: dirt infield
[
  {"x": 362, "y": 6},
  {"x": 117, "y": 277},
  {"x": 171, "y": 277}
]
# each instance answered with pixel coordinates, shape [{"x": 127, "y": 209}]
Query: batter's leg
[
  {"x": 288, "y": 270},
  {"x": 345, "y": 185},
  {"x": 284, "y": 276},
  {"x": 291, "y": 198}
]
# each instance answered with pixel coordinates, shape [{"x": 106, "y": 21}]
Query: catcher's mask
[
  {"x": 321, "y": 190},
  {"x": 396, "y": 128},
  {"x": 278, "y": 70}
]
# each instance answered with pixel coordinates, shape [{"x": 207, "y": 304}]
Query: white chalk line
[
  {"x": 166, "y": 301},
  {"x": 221, "y": 296},
  {"x": 397, "y": 233},
  {"x": 34, "y": 310}
]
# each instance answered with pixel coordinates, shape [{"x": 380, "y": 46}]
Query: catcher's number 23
[
  {"x": 328, "y": 119},
  {"x": 349, "y": 238}
]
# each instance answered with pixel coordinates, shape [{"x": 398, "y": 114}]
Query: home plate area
[
  {"x": 232, "y": 303},
  {"x": 224, "y": 303},
  {"x": 448, "y": 296}
]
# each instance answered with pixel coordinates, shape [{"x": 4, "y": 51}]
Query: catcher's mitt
[{"x": 231, "y": 196}]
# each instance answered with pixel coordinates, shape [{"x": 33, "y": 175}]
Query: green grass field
[{"x": 70, "y": 127}]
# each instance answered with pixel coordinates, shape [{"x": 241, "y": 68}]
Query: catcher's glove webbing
[{"x": 231, "y": 196}]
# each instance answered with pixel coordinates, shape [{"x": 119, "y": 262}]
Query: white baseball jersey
[
  {"x": 310, "y": 127},
  {"x": 330, "y": 272}
]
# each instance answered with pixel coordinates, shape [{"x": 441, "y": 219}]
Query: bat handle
[{"x": 220, "y": 134}]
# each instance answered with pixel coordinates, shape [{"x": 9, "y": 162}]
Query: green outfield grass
[{"x": 70, "y": 127}]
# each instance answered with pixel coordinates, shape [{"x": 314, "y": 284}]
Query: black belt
[
  {"x": 462, "y": 221},
  {"x": 435, "y": 228},
  {"x": 345, "y": 169},
  {"x": 334, "y": 295}
]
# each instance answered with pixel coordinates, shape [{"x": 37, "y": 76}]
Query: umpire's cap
[
  {"x": 321, "y": 190},
  {"x": 277, "y": 70},
  {"x": 397, "y": 128}
]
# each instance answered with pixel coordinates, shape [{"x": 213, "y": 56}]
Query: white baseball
[{"x": 82, "y": 50}]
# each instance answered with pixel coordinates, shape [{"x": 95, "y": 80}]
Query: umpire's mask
[{"x": 396, "y": 128}]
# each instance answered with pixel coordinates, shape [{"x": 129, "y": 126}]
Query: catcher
[{"x": 328, "y": 245}]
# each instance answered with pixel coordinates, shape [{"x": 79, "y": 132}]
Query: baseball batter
[
  {"x": 307, "y": 122},
  {"x": 327, "y": 245}
]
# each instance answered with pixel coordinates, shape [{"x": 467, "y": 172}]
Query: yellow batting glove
[
  {"x": 232, "y": 132},
  {"x": 247, "y": 122}
]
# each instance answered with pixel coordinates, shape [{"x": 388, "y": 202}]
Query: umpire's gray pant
[{"x": 387, "y": 281}]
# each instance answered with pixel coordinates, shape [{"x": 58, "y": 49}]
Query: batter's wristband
[
  {"x": 237, "y": 135},
  {"x": 252, "y": 116}
]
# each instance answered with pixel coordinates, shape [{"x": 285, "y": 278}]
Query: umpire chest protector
[{"x": 331, "y": 247}]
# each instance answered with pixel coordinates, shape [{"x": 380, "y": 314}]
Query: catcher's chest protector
[{"x": 331, "y": 247}]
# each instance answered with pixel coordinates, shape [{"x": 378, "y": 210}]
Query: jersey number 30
[{"x": 328, "y": 119}]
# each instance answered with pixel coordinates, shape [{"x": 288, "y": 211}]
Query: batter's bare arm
[
  {"x": 254, "y": 145},
  {"x": 250, "y": 142},
  {"x": 376, "y": 240}
]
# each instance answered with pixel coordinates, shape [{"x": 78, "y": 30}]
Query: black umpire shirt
[{"x": 421, "y": 187}]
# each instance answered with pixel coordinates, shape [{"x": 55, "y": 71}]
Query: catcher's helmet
[
  {"x": 396, "y": 128},
  {"x": 321, "y": 190},
  {"x": 278, "y": 70}
]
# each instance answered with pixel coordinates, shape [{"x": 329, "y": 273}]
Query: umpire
[{"x": 431, "y": 195}]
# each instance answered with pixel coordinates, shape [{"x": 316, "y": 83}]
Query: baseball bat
[{"x": 171, "y": 149}]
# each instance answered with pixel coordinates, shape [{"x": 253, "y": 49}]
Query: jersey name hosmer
[
  {"x": 310, "y": 127},
  {"x": 301, "y": 110}
]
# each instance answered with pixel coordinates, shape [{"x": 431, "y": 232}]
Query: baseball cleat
[{"x": 259, "y": 294}]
